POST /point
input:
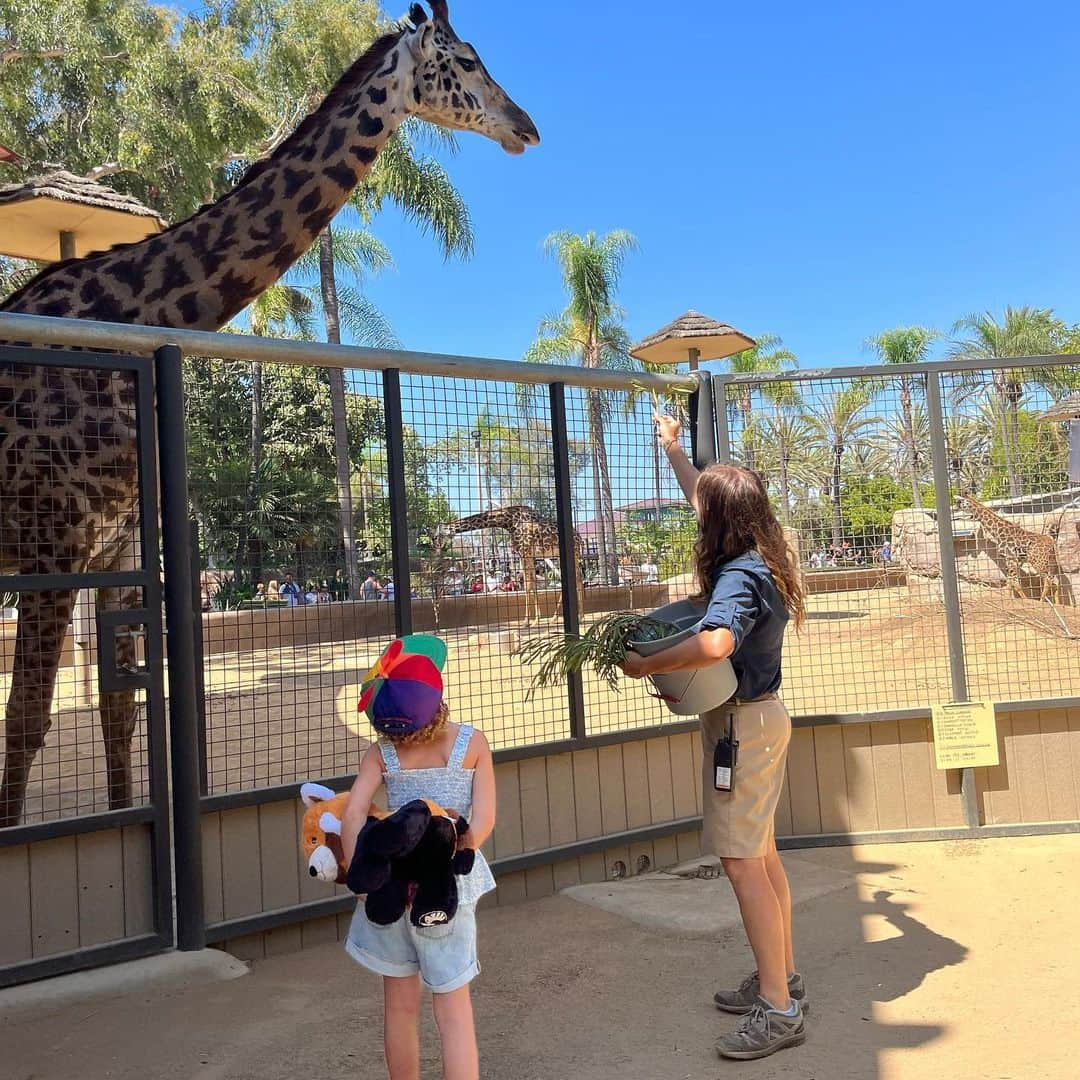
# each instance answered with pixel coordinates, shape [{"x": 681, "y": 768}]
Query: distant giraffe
[
  {"x": 1018, "y": 547},
  {"x": 68, "y": 461},
  {"x": 532, "y": 537}
]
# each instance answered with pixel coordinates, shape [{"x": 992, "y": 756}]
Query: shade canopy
[
  {"x": 1066, "y": 409},
  {"x": 35, "y": 214},
  {"x": 672, "y": 344}
]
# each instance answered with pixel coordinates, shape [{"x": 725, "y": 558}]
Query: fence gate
[{"x": 82, "y": 884}]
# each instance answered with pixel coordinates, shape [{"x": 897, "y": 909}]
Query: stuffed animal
[
  {"x": 410, "y": 858},
  {"x": 321, "y": 832}
]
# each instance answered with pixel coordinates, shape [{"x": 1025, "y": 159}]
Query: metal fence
[
  {"x": 411, "y": 520},
  {"x": 916, "y": 498},
  {"x": 475, "y": 508}
]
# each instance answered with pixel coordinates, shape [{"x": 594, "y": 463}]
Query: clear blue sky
[{"x": 820, "y": 171}]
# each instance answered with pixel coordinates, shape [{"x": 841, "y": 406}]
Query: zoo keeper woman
[{"x": 750, "y": 578}]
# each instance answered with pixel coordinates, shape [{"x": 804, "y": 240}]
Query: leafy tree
[
  {"x": 1039, "y": 461},
  {"x": 590, "y": 332},
  {"x": 766, "y": 357},
  {"x": 670, "y": 541},
  {"x": 907, "y": 345},
  {"x": 841, "y": 423},
  {"x": 1023, "y": 331}
]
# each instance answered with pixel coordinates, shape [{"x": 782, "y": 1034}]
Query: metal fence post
[
  {"x": 703, "y": 423},
  {"x": 723, "y": 430},
  {"x": 399, "y": 512},
  {"x": 950, "y": 585},
  {"x": 183, "y": 710},
  {"x": 568, "y": 553},
  {"x": 197, "y": 639}
]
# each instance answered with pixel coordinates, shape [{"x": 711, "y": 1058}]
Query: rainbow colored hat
[{"x": 402, "y": 693}]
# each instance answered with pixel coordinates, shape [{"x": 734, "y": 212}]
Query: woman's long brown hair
[{"x": 736, "y": 517}]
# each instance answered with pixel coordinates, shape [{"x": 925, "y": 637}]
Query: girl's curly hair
[
  {"x": 736, "y": 517},
  {"x": 425, "y": 734}
]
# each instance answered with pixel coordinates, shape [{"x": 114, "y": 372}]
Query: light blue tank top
[{"x": 452, "y": 788}]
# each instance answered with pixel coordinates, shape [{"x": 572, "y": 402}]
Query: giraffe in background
[
  {"x": 1019, "y": 547},
  {"x": 68, "y": 461},
  {"x": 532, "y": 537}
]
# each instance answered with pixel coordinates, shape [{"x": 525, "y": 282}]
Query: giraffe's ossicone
[{"x": 68, "y": 465}]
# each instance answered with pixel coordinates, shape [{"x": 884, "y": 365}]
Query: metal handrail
[{"x": 83, "y": 333}]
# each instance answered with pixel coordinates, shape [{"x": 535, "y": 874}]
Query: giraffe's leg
[
  {"x": 532, "y": 592},
  {"x": 44, "y": 618},
  {"x": 119, "y": 709},
  {"x": 1012, "y": 576}
]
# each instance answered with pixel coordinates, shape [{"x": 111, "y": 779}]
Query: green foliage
[
  {"x": 670, "y": 542},
  {"x": 602, "y": 647},
  {"x": 289, "y": 504},
  {"x": 869, "y": 502},
  {"x": 1040, "y": 462}
]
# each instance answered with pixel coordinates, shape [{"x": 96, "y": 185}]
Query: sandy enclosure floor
[
  {"x": 284, "y": 714},
  {"x": 916, "y": 962}
]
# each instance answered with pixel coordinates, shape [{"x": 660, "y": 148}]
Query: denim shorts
[{"x": 444, "y": 956}]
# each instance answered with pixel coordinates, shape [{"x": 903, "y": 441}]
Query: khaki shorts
[{"x": 739, "y": 823}]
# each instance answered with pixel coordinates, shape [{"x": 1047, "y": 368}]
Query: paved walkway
[{"x": 924, "y": 962}]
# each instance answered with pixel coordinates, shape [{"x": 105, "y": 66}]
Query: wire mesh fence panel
[
  {"x": 847, "y": 464},
  {"x": 72, "y": 436},
  {"x": 1014, "y": 472},
  {"x": 484, "y": 548},
  {"x": 637, "y": 533},
  {"x": 289, "y": 491}
]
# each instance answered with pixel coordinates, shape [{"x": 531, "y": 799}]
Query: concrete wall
[{"x": 840, "y": 779}]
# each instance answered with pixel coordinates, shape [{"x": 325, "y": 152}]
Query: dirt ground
[
  {"x": 932, "y": 962},
  {"x": 276, "y": 716}
]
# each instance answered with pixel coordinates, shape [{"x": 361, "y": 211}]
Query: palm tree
[
  {"x": 767, "y": 356},
  {"x": 1024, "y": 331},
  {"x": 422, "y": 190},
  {"x": 788, "y": 453},
  {"x": 590, "y": 332},
  {"x": 281, "y": 311},
  {"x": 840, "y": 421},
  {"x": 907, "y": 345}
]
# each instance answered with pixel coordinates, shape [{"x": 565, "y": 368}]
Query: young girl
[
  {"x": 421, "y": 754},
  {"x": 750, "y": 579}
]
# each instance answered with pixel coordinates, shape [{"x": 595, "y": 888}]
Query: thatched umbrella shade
[
  {"x": 64, "y": 216},
  {"x": 691, "y": 338}
]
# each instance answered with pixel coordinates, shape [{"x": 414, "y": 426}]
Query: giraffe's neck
[
  {"x": 988, "y": 518},
  {"x": 205, "y": 270}
]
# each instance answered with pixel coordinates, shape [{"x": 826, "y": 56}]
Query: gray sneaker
[
  {"x": 761, "y": 1032},
  {"x": 741, "y": 1001}
]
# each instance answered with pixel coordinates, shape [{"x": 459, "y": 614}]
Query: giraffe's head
[{"x": 452, "y": 87}]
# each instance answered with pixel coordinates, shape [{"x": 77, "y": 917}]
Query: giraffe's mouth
[{"x": 519, "y": 132}]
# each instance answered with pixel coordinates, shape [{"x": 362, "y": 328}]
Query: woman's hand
[
  {"x": 636, "y": 666},
  {"x": 667, "y": 430}
]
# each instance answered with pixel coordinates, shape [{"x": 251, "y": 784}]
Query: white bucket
[{"x": 688, "y": 693}]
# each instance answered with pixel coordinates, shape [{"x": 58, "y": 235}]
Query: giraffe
[
  {"x": 68, "y": 465},
  {"x": 1019, "y": 547},
  {"x": 532, "y": 537}
]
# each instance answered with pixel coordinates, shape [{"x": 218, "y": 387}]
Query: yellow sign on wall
[{"x": 965, "y": 734}]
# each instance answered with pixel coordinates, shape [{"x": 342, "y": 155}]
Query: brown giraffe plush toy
[{"x": 69, "y": 463}]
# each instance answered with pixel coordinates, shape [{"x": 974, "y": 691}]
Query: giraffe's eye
[{"x": 467, "y": 65}]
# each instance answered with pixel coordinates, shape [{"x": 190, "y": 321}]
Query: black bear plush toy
[{"x": 410, "y": 857}]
